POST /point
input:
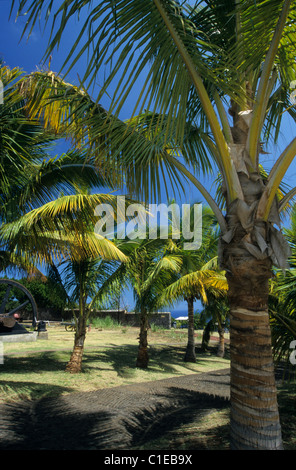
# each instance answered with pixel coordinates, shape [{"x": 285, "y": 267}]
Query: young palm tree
[
  {"x": 61, "y": 235},
  {"x": 62, "y": 232},
  {"x": 142, "y": 271},
  {"x": 194, "y": 279},
  {"x": 199, "y": 58},
  {"x": 216, "y": 311},
  {"x": 36, "y": 190},
  {"x": 80, "y": 279},
  {"x": 193, "y": 274},
  {"x": 44, "y": 217}
]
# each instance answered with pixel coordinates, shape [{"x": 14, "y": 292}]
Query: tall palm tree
[{"x": 202, "y": 61}]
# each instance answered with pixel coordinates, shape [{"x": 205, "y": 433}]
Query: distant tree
[
  {"x": 195, "y": 273},
  {"x": 282, "y": 301},
  {"x": 144, "y": 272},
  {"x": 47, "y": 293},
  {"x": 216, "y": 310}
]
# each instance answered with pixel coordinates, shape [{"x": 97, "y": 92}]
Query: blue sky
[{"x": 28, "y": 56}]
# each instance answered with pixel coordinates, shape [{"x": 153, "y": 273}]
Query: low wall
[{"x": 161, "y": 319}]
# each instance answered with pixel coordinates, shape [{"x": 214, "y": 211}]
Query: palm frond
[
  {"x": 110, "y": 140},
  {"x": 63, "y": 224}
]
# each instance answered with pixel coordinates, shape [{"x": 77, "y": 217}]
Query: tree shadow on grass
[
  {"x": 120, "y": 418},
  {"x": 122, "y": 359},
  {"x": 51, "y": 426},
  {"x": 162, "y": 359},
  {"x": 46, "y": 361},
  {"x": 30, "y": 390},
  {"x": 172, "y": 428}
]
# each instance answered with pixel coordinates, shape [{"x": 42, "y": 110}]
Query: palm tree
[
  {"x": 200, "y": 60},
  {"x": 196, "y": 278},
  {"x": 194, "y": 274},
  {"x": 37, "y": 190},
  {"x": 216, "y": 311},
  {"x": 282, "y": 305},
  {"x": 80, "y": 279},
  {"x": 142, "y": 271},
  {"x": 61, "y": 234},
  {"x": 47, "y": 216}
]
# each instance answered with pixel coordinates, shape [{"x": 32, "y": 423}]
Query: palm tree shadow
[
  {"x": 86, "y": 421},
  {"x": 123, "y": 359},
  {"x": 46, "y": 361},
  {"x": 187, "y": 407},
  {"x": 53, "y": 426},
  {"x": 36, "y": 390}
]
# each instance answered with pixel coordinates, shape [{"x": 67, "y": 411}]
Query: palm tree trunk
[
  {"x": 254, "y": 411},
  {"x": 246, "y": 257},
  {"x": 206, "y": 336},
  {"x": 75, "y": 363},
  {"x": 190, "y": 355},
  {"x": 221, "y": 345},
  {"x": 143, "y": 357}
]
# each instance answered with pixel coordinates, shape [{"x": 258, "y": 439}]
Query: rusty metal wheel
[{"x": 8, "y": 318}]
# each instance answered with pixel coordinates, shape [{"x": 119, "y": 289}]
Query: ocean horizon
[{"x": 178, "y": 313}]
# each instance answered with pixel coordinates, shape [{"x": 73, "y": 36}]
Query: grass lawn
[
  {"x": 32, "y": 370},
  {"x": 37, "y": 369}
]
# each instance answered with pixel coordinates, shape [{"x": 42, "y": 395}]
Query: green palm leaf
[{"x": 83, "y": 120}]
